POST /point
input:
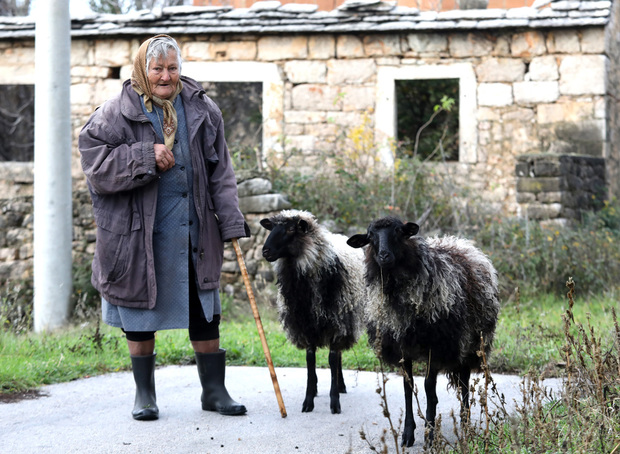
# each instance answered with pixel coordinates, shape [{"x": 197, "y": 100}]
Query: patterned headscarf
[{"x": 141, "y": 85}]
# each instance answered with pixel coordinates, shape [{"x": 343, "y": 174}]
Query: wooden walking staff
[{"x": 259, "y": 325}]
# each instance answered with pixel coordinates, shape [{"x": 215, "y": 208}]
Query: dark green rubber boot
[
  {"x": 215, "y": 397},
  {"x": 145, "y": 406}
]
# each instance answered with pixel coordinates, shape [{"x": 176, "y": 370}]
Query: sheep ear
[
  {"x": 266, "y": 223},
  {"x": 359, "y": 240},
  {"x": 304, "y": 226},
  {"x": 410, "y": 229}
]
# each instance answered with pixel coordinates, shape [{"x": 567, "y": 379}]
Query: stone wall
[
  {"x": 559, "y": 188},
  {"x": 16, "y": 221},
  {"x": 533, "y": 92},
  {"x": 522, "y": 92},
  {"x": 613, "y": 102},
  {"x": 256, "y": 199}
]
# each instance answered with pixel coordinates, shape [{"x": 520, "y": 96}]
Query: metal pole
[{"x": 52, "y": 166}]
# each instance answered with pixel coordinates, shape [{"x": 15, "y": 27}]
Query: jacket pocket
[{"x": 113, "y": 243}]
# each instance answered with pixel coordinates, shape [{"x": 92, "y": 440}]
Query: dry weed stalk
[
  {"x": 393, "y": 430},
  {"x": 583, "y": 417},
  {"x": 592, "y": 388}
]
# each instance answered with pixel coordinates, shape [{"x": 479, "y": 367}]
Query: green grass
[
  {"x": 529, "y": 336},
  {"x": 30, "y": 360},
  {"x": 530, "y": 333}
]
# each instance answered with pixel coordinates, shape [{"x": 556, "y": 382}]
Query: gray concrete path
[{"x": 93, "y": 415}]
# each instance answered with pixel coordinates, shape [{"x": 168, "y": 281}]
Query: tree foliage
[
  {"x": 124, "y": 6},
  {"x": 17, "y": 123},
  {"x": 14, "y": 7},
  {"x": 417, "y": 104}
]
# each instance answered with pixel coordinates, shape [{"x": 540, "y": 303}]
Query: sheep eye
[{"x": 290, "y": 229}]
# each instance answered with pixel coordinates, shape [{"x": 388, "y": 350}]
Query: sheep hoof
[
  {"x": 335, "y": 408},
  {"x": 430, "y": 436},
  {"x": 307, "y": 407},
  {"x": 408, "y": 437}
]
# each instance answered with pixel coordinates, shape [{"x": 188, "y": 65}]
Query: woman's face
[{"x": 164, "y": 75}]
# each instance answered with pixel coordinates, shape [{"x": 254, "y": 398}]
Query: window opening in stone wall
[
  {"x": 17, "y": 123},
  {"x": 241, "y": 106},
  {"x": 416, "y": 103}
]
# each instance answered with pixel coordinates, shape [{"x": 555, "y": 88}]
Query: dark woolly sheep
[
  {"x": 321, "y": 291},
  {"x": 429, "y": 300}
]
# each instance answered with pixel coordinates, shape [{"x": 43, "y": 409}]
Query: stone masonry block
[
  {"x": 305, "y": 71},
  {"x": 321, "y": 47},
  {"x": 528, "y": 44},
  {"x": 544, "y": 211},
  {"x": 500, "y": 70},
  {"x": 495, "y": 94},
  {"x": 470, "y": 45},
  {"x": 81, "y": 53},
  {"x": 551, "y": 197},
  {"x": 566, "y": 111},
  {"x": 271, "y": 48},
  {"x": 81, "y": 94},
  {"x": 357, "y": 98},
  {"x": 340, "y": 72},
  {"x": 348, "y": 46},
  {"x": 593, "y": 41},
  {"x": 547, "y": 168},
  {"x": 583, "y": 75},
  {"x": 113, "y": 52},
  {"x": 195, "y": 50},
  {"x": 537, "y": 185},
  {"x": 531, "y": 93},
  {"x": 255, "y": 186},
  {"x": 304, "y": 117},
  {"x": 382, "y": 45},
  {"x": 526, "y": 197},
  {"x": 543, "y": 68},
  {"x": 314, "y": 97},
  {"x": 563, "y": 42},
  {"x": 426, "y": 43},
  {"x": 232, "y": 51}
]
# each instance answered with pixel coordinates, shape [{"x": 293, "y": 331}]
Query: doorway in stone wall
[
  {"x": 17, "y": 123},
  {"x": 241, "y": 106}
]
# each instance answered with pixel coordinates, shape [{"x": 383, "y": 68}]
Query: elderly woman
[{"x": 165, "y": 199}]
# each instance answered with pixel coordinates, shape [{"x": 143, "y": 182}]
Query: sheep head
[
  {"x": 288, "y": 232},
  {"x": 386, "y": 237}
]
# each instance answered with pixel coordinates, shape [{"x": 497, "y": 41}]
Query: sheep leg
[
  {"x": 335, "y": 365},
  {"x": 464, "y": 375},
  {"x": 430, "y": 387},
  {"x": 342, "y": 388},
  {"x": 311, "y": 387},
  {"x": 409, "y": 429}
]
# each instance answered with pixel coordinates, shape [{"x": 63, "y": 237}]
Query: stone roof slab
[{"x": 354, "y": 16}]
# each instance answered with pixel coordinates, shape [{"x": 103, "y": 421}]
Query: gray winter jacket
[{"x": 118, "y": 159}]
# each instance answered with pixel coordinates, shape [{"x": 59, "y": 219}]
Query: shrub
[
  {"x": 356, "y": 187},
  {"x": 536, "y": 257},
  {"x": 16, "y": 307},
  {"x": 583, "y": 417}
]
